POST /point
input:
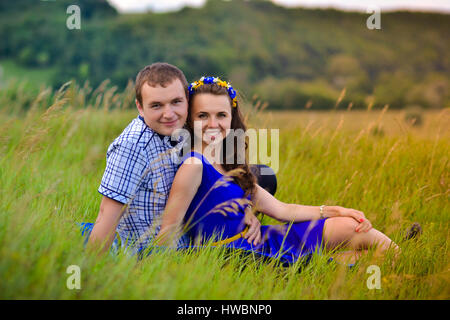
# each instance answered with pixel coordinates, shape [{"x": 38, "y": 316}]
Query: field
[
  {"x": 32, "y": 78},
  {"x": 52, "y": 158}
]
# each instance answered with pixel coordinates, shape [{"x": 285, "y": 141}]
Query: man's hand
[{"x": 254, "y": 228}]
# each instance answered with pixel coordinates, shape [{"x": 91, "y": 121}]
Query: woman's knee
[
  {"x": 344, "y": 225},
  {"x": 339, "y": 231}
]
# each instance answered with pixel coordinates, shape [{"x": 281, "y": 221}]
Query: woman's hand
[
  {"x": 364, "y": 224},
  {"x": 253, "y": 233}
]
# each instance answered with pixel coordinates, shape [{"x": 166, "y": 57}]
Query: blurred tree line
[{"x": 291, "y": 58}]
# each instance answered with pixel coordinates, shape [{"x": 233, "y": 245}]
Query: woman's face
[{"x": 213, "y": 114}]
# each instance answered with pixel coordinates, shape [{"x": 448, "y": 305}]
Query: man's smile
[{"x": 170, "y": 123}]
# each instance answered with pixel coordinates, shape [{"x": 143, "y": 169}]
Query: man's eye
[{"x": 155, "y": 106}]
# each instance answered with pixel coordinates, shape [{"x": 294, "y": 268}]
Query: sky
[{"x": 352, "y": 5}]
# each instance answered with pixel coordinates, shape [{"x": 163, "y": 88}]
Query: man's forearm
[
  {"x": 104, "y": 230},
  {"x": 102, "y": 236}
]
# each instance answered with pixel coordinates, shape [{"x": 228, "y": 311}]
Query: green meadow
[{"x": 392, "y": 165}]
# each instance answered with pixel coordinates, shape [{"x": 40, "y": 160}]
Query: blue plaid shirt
[{"x": 140, "y": 168}]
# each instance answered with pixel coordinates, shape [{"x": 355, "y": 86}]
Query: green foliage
[
  {"x": 17, "y": 98},
  {"x": 294, "y": 94},
  {"x": 249, "y": 42}
]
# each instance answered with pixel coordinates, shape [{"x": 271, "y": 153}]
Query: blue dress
[{"x": 217, "y": 212}]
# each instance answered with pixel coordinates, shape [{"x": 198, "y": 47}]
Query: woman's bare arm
[
  {"x": 267, "y": 204},
  {"x": 185, "y": 185}
]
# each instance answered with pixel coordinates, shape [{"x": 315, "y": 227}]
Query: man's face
[{"x": 164, "y": 109}]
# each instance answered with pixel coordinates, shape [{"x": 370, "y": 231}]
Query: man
[{"x": 140, "y": 165}]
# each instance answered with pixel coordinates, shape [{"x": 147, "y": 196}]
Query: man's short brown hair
[{"x": 159, "y": 73}]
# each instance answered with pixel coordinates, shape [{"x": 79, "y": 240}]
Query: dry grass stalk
[
  {"x": 389, "y": 153},
  {"x": 341, "y": 96},
  {"x": 336, "y": 131}
]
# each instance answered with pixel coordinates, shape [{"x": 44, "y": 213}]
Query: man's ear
[{"x": 139, "y": 107}]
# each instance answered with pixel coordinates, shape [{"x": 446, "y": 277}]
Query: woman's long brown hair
[{"x": 244, "y": 178}]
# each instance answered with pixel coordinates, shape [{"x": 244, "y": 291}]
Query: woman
[{"x": 210, "y": 198}]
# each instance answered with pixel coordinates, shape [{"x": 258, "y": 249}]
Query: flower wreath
[{"x": 209, "y": 80}]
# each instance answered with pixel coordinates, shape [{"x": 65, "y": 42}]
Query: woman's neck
[{"x": 212, "y": 153}]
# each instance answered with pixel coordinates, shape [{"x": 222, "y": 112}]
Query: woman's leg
[
  {"x": 348, "y": 257},
  {"x": 339, "y": 232}
]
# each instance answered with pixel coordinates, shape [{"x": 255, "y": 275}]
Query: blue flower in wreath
[
  {"x": 208, "y": 80},
  {"x": 191, "y": 88},
  {"x": 231, "y": 92}
]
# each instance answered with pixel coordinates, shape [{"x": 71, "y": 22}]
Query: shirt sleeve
[{"x": 125, "y": 171}]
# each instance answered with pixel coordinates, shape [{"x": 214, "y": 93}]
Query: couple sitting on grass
[{"x": 156, "y": 195}]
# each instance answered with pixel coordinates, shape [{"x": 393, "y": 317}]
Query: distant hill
[
  {"x": 291, "y": 58},
  {"x": 89, "y": 8}
]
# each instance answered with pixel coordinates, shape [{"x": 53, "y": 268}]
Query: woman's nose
[{"x": 212, "y": 123}]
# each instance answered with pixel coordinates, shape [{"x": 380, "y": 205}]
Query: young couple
[{"x": 151, "y": 198}]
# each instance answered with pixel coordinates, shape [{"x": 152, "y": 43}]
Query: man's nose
[{"x": 168, "y": 112}]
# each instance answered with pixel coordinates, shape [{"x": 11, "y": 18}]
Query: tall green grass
[{"x": 53, "y": 156}]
